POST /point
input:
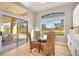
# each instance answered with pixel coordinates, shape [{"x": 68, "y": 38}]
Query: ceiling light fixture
[{"x": 42, "y": 2}]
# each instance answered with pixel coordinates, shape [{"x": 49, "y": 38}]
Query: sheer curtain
[{"x": 32, "y": 34}]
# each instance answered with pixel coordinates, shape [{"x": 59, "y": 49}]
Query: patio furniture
[
  {"x": 6, "y": 37},
  {"x": 33, "y": 44},
  {"x": 49, "y": 46}
]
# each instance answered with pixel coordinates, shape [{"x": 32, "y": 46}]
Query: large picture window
[{"x": 54, "y": 22}]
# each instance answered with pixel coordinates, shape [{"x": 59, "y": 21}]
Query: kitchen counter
[{"x": 73, "y": 43}]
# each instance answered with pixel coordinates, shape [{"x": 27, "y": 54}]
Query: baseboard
[{"x": 61, "y": 43}]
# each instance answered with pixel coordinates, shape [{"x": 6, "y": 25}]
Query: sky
[
  {"x": 50, "y": 19},
  {"x": 51, "y": 23}
]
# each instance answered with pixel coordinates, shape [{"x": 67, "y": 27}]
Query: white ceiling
[
  {"x": 38, "y": 6},
  {"x": 13, "y": 8}
]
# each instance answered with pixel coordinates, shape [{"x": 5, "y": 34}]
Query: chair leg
[
  {"x": 53, "y": 53},
  {"x": 38, "y": 49},
  {"x": 30, "y": 50}
]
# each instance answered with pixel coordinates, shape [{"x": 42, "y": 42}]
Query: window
[{"x": 54, "y": 22}]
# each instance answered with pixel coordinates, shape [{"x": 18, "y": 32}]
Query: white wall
[
  {"x": 68, "y": 19},
  {"x": 30, "y": 20}
]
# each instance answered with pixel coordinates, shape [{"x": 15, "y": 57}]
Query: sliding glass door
[
  {"x": 22, "y": 29},
  {"x": 14, "y": 32},
  {"x": 9, "y": 32}
]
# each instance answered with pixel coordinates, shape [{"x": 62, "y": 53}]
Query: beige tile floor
[{"x": 23, "y": 50}]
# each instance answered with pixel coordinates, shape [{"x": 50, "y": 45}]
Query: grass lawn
[
  {"x": 23, "y": 33},
  {"x": 57, "y": 33}
]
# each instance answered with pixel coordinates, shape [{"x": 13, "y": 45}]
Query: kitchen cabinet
[
  {"x": 76, "y": 16},
  {"x": 73, "y": 43}
]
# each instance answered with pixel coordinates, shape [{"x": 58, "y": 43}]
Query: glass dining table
[{"x": 42, "y": 39}]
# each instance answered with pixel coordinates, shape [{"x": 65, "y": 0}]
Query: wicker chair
[
  {"x": 33, "y": 44},
  {"x": 49, "y": 46}
]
